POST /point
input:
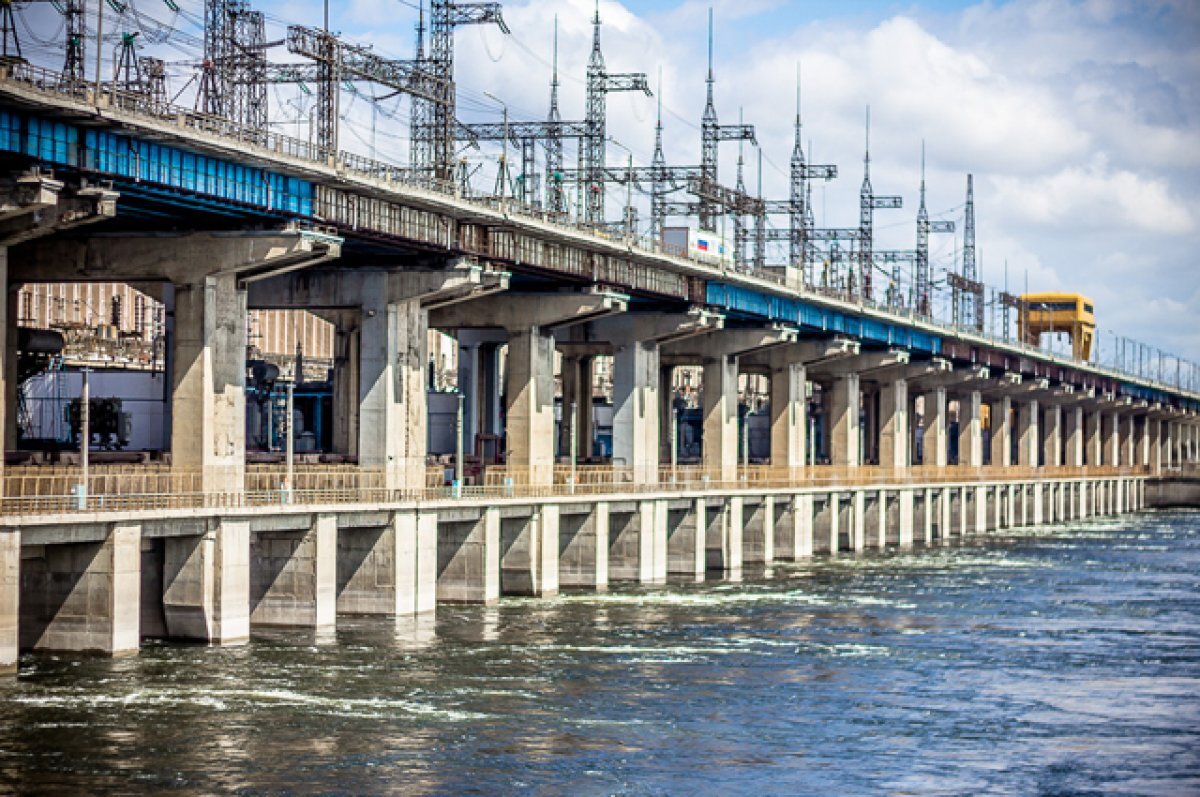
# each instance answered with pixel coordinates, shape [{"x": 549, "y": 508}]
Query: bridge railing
[
  {"x": 1126, "y": 357},
  {"x": 56, "y": 490}
]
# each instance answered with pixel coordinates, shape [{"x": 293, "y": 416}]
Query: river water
[{"x": 1060, "y": 661}]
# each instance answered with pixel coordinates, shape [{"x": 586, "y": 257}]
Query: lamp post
[
  {"x": 629, "y": 231},
  {"x": 502, "y": 177}
]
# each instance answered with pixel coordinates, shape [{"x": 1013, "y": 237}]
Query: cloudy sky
[{"x": 1080, "y": 119}]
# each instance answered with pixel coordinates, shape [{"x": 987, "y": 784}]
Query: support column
[
  {"x": 389, "y": 571},
  {"x": 529, "y": 553},
  {"x": 970, "y": 430},
  {"x": 206, "y": 584},
  {"x": 906, "y": 498},
  {"x": 84, "y": 596},
  {"x": 1093, "y": 439},
  {"x": 1110, "y": 434},
  {"x": 583, "y": 547},
  {"x": 10, "y": 597},
  {"x": 1075, "y": 437},
  {"x": 1001, "y": 432},
  {"x": 893, "y": 431},
  {"x": 529, "y": 390},
  {"x": 208, "y": 400},
  {"x": 720, "y": 443},
  {"x": 789, "y": 416},
  {"x": 293, "y": 576},
  {"x": 1152, "y": 448},
  {"x": 391, "y": 398},
  {"x": 1129, "y": 456},
  {"x": 935, "y": 428},
  {"x": 1027, "y": 440},
  {"x": 844, "y": 421},
  {"x": 637, "y": 434},
  {"x": 1052, "y": 437}
]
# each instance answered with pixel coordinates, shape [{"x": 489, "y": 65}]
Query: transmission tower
[
  {"x": 868, "y": 203},
  {"x": 593, "y": 154},
  {"x": 798, "y": 235},
  {"x": 10, "y": 43},
  {"x": 127, "y": 72},
  {"x": 73, "y": 17},
  {"x": 921, "y": 278},
  {"x": 711, "y": 132},
  {"x": 972, "y": 288},
  {"x": 433, "y": 115}
]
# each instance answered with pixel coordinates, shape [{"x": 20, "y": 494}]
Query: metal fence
[{"x": 57, "y": 490}]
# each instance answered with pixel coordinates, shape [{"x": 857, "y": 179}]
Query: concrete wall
[{"x": 1175, "y": 491}]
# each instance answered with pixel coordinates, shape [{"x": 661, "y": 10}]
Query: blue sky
[{"x": 1080, "y": 119}]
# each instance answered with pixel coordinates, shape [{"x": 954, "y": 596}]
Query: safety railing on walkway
[{"x": 31, "y": 490}]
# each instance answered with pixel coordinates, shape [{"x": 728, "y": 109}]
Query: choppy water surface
[{"x": 1057, "y": 662}]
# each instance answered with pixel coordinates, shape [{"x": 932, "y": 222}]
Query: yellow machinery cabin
[{"x": 1059, "y": 312}]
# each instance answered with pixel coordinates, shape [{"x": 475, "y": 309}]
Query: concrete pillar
[
  {"x": 1152, "y": 447},
  {"x": 1028, "y": 441},
  {"x": 869, "y": 432},
  {"x": 907, "y": 498},
  {"x": 7, "y": 386},
  {"x": 686, "y": 533},
  {"x": 935, "y": 452},
  {"x": 83, "y": 596},
  {"x": 723, "y": 537},
  {"x": 1074, "y": 436},
  {"x": 293, "y": 576},
  {"x": 894, "y": 424},
  {"x": 577, "y": 392},
  {"x": 390, "y": 570},
  {"x": 1001, "y": 432},
  {"x": 844, "y": 421},
  {"x": 720, "y": 441},
  {"x": 858, "y": 520},
  {"x": 1129, "y": 457},
  {"x": 1052, "y": 437},
  {"x": 10, "y": 594},
  {"x": 758, "y": 531},
  {"x": 529, "y": 393},
  {"x": 468, "y": 569},
  {"x": 637, "y": 431},
  {"x": 928, "y": 513},
  {"x": 970, "y": 430},
  {"x": 1039, "y": 503},
  {"x": 392, "y": 411},
  {"x": 637, "y": 549},
  {"x": 583, "y": 548},
  {"x": 529, "y": 552},
  {"x": 1093, "y": 439},
  {"x": 1085, "y": 495},
  {"x": 1111, "y": 433},
  {"x": 208, "y": 399},
  {"x": 789, "y": 416},
  {"x": 206, "y": 584},
  {"x": 794, "y": 527}
]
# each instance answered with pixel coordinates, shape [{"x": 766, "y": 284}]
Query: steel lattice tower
[
  {"x": 73, "y": 15},
  {"x": 433, "y": 133},
  {"x": 973, "y": 296},
  {"x": 555, "y": 199},
  {"x": 921, "y": 275},
  {"x": 594, "y": 151}
]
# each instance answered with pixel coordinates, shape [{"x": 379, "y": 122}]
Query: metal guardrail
[{"x": 31, "y": 491}]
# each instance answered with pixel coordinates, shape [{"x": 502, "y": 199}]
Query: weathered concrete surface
[
  {"x": 10, "y": 599},
  {"x": 468, "y": 569},
  {"x": 206, "y": 584},
  {"x": 389, "y": 570},
  {"x": 1173, "y": 491},
  {"x": 83, "y": 596},
  {"x": 293, "y": 576},
  {"x": 583, "y": 549}
]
